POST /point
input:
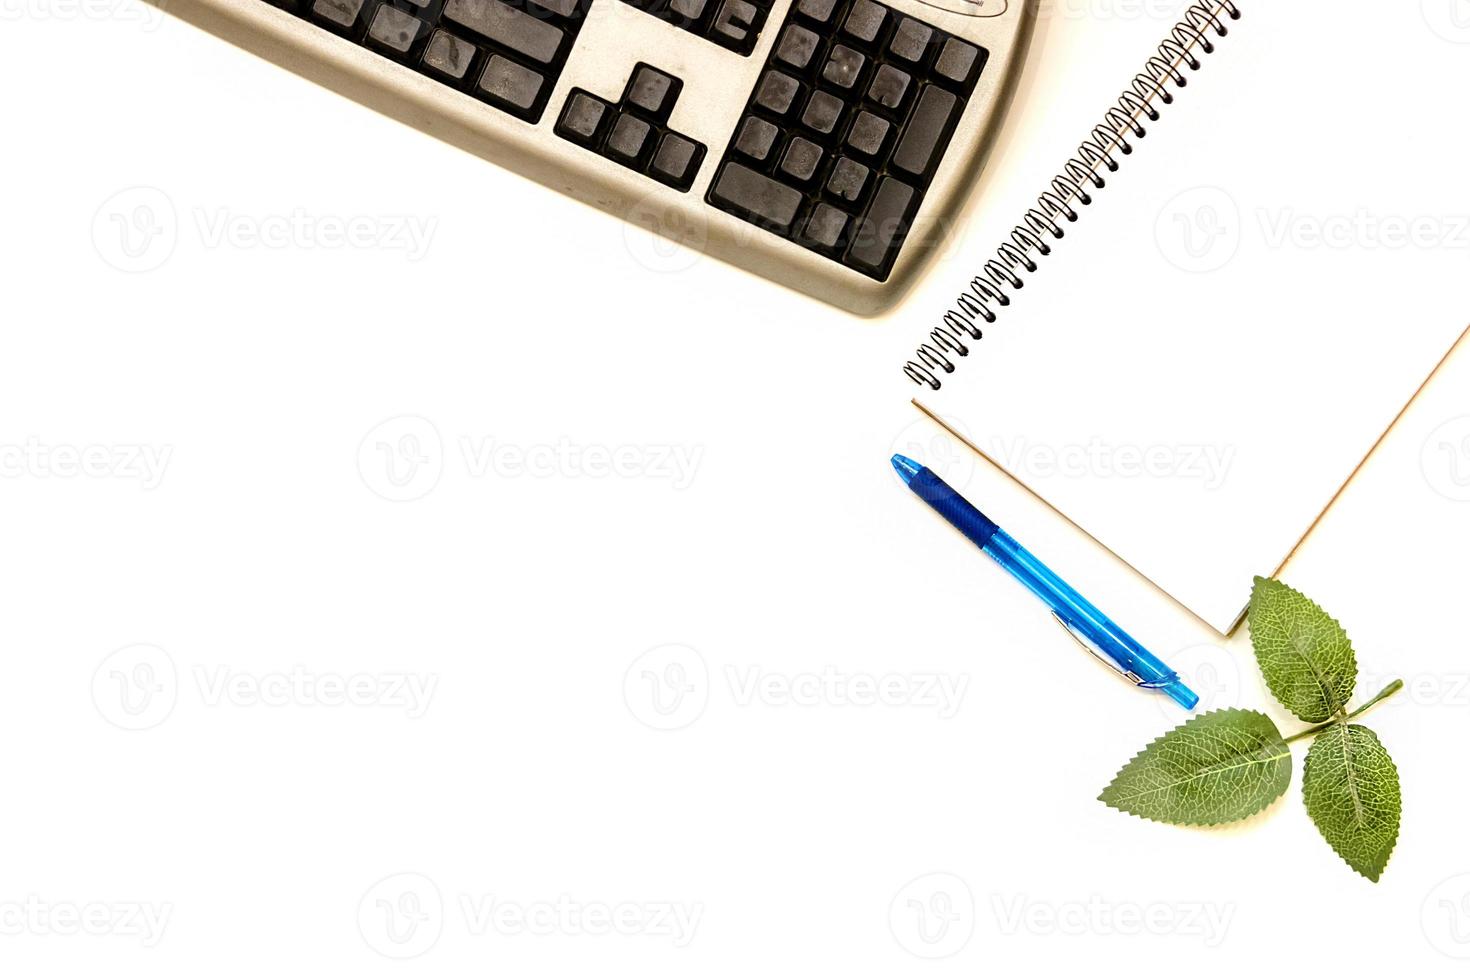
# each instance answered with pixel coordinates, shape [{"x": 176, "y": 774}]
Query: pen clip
[{"x": 1081, "y": 641}]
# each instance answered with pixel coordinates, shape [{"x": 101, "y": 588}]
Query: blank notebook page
[{"x": 1244, "y": 309}]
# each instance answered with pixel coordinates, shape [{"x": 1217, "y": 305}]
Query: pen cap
[{"x": 1180, "y": 692}]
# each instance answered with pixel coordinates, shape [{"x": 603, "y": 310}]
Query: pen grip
[{"x": 960, "y": 513}]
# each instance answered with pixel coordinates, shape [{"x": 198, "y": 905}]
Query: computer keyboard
[{"x": 824, "y": 144}]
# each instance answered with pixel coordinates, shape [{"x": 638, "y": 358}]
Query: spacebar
[{"x": 513, "y": 28}]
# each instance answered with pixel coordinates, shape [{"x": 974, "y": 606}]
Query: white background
[{"x": 174, "y": 628}]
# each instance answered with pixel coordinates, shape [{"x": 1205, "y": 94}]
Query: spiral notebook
[{"x": 1255, "y": 285}]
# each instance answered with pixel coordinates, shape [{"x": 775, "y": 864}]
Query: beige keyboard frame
[{"x": 717, "y": 84}]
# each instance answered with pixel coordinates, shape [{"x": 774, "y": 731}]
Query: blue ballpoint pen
[{"x": 1079, "y": 616}]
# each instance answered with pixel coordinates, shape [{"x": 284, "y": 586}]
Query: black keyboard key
[
  {"x": 928, "y": 124},
  {"x": 843, "y": 66},
  {"x": 957, "y": 61},
  {"x": 848, "y": 179},
  {"x": 817, "y": 10},
  {"x": 776, "y": 91},
  {"x": 582, "y": 118},
  {"x": 822, "y": 112},
  {"x": 864, "y": 21},
  {"x": 883, "y": 228},
  {"x": 756, "y": 137},
  {"x": 676, "y": 161},
  {"x": 448, "y": 55},
  {"x": 911, "y": 40},
  {"x": 628, "y": 138},
  {"x": 735, "y": 23},
  {"x": 801, "y": 159},
  {"x": 757, "y": 196},
  {"x": 343, "y": 13},
  {"x": 868, "y": 133},
  {"x": 825, "y": 227},
  {"x": 651, "y": 90},
  {"x": 515, "y": 29},
  {"x": 890, "y": 86},
  {"x": 796, "y": 46},
  {"x": 395, "y": 30},
  {"x": 514, "y": 85}
]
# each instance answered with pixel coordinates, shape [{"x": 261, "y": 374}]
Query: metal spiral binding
[{"x": 1001, "y": 275}]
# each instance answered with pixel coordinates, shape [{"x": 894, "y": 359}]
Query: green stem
[{"x": 1387, "y": 692}]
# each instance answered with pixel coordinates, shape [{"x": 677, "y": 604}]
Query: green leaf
[
  {"x": 1306, "y": 656},
  {"x": 1351, "y": 788},
  {"x": 1215, "y": 768}
]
